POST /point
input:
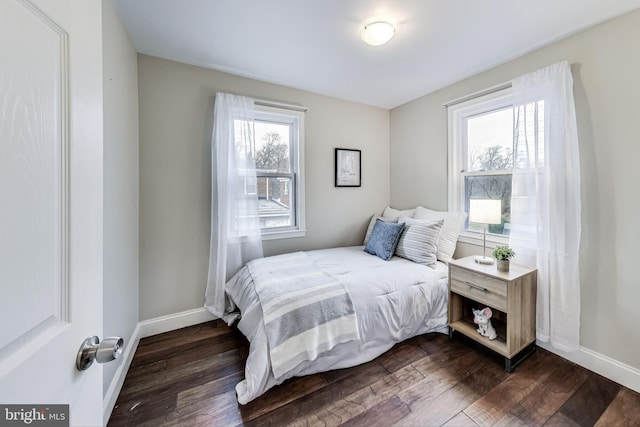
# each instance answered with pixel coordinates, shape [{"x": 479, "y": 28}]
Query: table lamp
[{"x": 485, "y": 212}]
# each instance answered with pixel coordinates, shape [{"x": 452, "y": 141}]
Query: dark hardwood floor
[{"x": 187, "y": 378}]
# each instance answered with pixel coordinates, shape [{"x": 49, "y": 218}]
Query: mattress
[{"x": 393, "y": 300}]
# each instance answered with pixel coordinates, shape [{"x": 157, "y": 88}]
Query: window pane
[
  {"x": 273, "y": 147},
  {"x": 490, "y": 141},
  {"x": 494, "y": 187},
  {"x": 275, "y": 201}
]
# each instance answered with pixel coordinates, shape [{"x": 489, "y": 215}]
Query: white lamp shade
[
  {"x": 377, "y": 33},
  {"x": 485, "y": 211}
]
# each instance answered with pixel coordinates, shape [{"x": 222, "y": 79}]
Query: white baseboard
[
  {"x": 612, "y": 369},
  {"x": 143, "y": 329},
  {"x": 175, "y": 321}
]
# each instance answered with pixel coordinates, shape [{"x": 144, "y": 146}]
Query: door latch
[{"x": 93, "y": 350}]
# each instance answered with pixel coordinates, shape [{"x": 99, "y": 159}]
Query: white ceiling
[{"x": 315, "y": 45}]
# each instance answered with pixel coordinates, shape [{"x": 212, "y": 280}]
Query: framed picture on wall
[{"x": 348, "y": 168}]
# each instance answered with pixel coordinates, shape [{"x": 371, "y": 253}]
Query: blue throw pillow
[{"x": 384, "y": 239}]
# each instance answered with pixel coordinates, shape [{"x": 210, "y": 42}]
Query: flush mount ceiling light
[{"x": 377, "y": 33}]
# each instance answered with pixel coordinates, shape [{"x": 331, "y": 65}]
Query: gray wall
[
  {"x": 176, "y": 116},
  {"x": 120, "y": 276},
  {"x": 606, "y": 68}
]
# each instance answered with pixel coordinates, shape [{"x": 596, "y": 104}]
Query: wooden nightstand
[{"x": 512, "y": 298}]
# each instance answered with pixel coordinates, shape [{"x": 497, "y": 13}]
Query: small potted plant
[{"x": 503, "y": 254}]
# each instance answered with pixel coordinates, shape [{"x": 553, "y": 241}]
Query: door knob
[{"x": 93, "y": 350}]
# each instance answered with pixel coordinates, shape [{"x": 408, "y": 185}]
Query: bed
[{"x": 384, "y": 301}]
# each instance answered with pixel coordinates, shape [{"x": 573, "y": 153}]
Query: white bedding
[{"x": 394, "y": 300}]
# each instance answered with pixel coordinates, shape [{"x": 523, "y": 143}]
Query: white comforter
[{"x": 394, "y": 300}]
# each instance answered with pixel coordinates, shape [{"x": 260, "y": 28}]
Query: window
[
  {"x": 278, "y": 154},
  {"x": 481, "y": 156}
]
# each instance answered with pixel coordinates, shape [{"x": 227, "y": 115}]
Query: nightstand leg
[
  {"x": 509, "y": 364},
  {"x": 450, "y": 333}
]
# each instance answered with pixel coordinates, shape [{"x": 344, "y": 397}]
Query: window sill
[
  {"x": 275, "y": 235},
  {"x": 474, "y": 238}
]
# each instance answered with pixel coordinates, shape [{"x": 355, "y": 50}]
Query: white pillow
[
  {"x": 418, "y": 241},
  {"x": 372, "y": 223},
  {"x": 453, "y": 224},
  {"x": 390, "y": 212}
]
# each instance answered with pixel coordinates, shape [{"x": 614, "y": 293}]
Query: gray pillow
[
  {"x": 448, "y": 238},
  {"x": 384, "y": 239},
  {"x": 418, "y": 241}
]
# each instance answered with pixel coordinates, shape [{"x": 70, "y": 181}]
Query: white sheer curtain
[
  {"x": 235, "y": 224},
  {"x": 545, "y": 204}
]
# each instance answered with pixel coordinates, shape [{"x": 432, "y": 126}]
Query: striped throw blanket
[{"x": 306, "y": 310}]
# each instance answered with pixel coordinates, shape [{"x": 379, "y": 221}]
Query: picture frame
[{"x": 348, "y": 167}]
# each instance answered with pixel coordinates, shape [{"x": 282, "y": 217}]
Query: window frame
[
  {"x": 294, "y": 118},
  {"x": 457, "y": 113}
]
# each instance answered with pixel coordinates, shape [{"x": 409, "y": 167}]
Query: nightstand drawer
[{"x": 481, "y": 288}]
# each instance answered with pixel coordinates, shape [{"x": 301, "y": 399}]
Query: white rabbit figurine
[{"x": 482, "y": 318}]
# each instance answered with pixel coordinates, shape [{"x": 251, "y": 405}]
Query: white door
[{"x": 50, "y": 203}]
